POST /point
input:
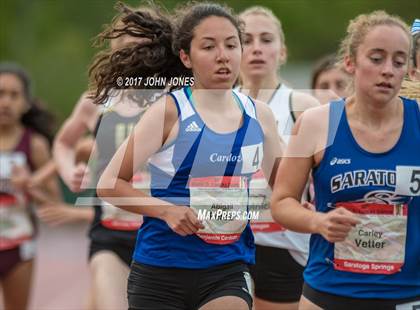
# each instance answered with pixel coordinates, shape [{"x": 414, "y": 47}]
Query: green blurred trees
[{"x": 53, "y": 38}]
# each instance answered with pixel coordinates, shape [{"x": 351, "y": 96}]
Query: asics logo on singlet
[
  {"x": 193, "y": 127},
  {"x": 340, "y": 161},
  {"x": 217, "y": 158}
]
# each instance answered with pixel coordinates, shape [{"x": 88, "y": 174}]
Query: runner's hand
[
  {"x": 39, "y": 195},
  {"x": 80, "y": 178},
  {"x": 182, "y": 220},
  {"x": 56, "y": 214},
  {"x": 20, "y": 177},
  {"x": 335, "y": 225}
]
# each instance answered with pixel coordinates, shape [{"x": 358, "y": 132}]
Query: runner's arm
[
  {"x": 74, "y": 128},
  {"x": 291, "y": 179},
  {"x": 157, "y": 124},
  {"x": 274, "y": 146},
  {"x": 41, "y": 158},
  {"x": 301, "y": 102},
  {"x": 56, "y": 214},
  {"x": 43, "y": 174}
]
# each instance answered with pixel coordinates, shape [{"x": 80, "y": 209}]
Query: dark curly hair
[{"x": 157, "y": 57}]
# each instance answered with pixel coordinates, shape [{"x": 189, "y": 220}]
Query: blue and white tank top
[
  {"x": 199, "y": 153},
  {"x": 381, "y": 256}
]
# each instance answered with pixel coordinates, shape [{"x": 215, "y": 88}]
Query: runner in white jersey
[
  {"x": 267, "y": 232},
  {"x": 281, "y": 254}
]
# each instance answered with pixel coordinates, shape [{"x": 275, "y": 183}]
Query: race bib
[
  {"x": 15, "y": 223},
  {"x": 252, "y": 156},
  {"x": 259, "y": 201},
  {"x": 221, "y": 203},
  {"x": 409, "y": 306},
  {"x": 408, "y": 181},
  {"x": 8, "y": 160},
  {"x": 142, "y": 181},
  {"x": 118, "y": 219},
  {"x": 377, "y": 244}
]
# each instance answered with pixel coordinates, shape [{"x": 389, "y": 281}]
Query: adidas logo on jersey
[
  {"x": 192, "y": 127},
  {"x": 340, "y": 161}
]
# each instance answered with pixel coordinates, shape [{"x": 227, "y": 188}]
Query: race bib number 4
[
  {"x": 377, "y": 244},
  {"x": 221, "y": 204}
]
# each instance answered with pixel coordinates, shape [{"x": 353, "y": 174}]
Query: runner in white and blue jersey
[
  {"x": 364, "y": 248},
  {"x": 281, "y": 254},
  {"x": 202, "y": 144}
]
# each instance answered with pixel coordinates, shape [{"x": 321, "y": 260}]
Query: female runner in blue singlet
[
  {"x": 364, "y": 249},
  {"x": 202, "y": 144}
]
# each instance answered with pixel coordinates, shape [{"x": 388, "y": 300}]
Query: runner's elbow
[{"x": 105, "y": 187}]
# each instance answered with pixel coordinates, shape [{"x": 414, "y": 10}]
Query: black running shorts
[
  {"x": 151, "y": 288},
  {"x": 277, "y": 276}
]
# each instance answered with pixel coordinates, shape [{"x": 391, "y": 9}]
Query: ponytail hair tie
[{"x": 416, "y": 27}]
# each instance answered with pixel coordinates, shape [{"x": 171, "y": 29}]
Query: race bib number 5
[
  {"x": 221, "y": 204},
  {"x": 377, "y": 244},
  {"x": 408, "y": 181}
]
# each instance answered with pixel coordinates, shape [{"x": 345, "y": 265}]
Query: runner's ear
[
  {"x": 185, "y": 58},
  {"x": 349, "y": 64},
  {"x": 283, "y": 55}
]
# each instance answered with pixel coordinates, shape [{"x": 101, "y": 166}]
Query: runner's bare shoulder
[
  {"x": 263, "y": 111},
  {"x": 302, "y": 101},
  {"x": 309, "y": 135},
  {"x": 86, "y": 110},
  {"x": 160, "y": 120}
]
